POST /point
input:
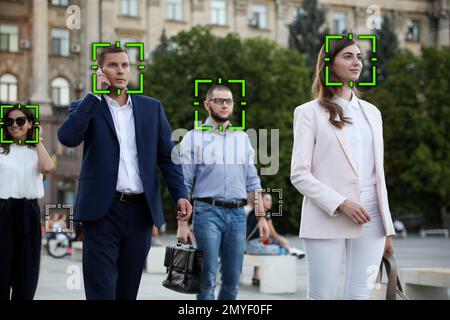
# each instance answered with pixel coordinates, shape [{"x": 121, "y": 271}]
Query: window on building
[
  {"x": 133, "y": 52},
  {"x": 174, "y": 10},
  {"x": 259, "y": 16},
  {"x": 129, "y": 8},
  {"x": 413, "y": 33},
  {"x": 339, "y": 22},
  {"x": 218, "y": 12},
  {"x": 9, "y": 37},
  {"x": 378, "y": 21},
  {"x": 60, "y": 42},
  {"x": 8, "y": 88},
  {"x": 60, "y": 92},
  {"x": 59, "y": 2}
]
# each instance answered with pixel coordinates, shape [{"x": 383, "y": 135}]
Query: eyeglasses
[
  {"x": 221, "y": 101},
  {"x": 20, "y": 121}
]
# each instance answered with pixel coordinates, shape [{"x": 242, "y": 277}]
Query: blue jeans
[{"x": 220, "y": 232}]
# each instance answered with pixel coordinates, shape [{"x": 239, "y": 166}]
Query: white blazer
[{"x": 322, "y": 170}]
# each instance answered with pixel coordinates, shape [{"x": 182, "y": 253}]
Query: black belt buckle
[
  {"x": 122, "y": 197},
  {"x": 127, "y": 197}
]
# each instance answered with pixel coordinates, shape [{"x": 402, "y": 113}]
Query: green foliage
[
  {"x": 415, "y": 103},
  {"x": 387, "y": 47},
  {"x": 306, "y": 33}
]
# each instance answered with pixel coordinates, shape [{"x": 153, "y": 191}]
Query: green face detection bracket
[
  {"x": 141, "y": 66},
  {"x": 197, "y": 123},
  {"x": 36, "y": 132},
  {"x": 373, "y": 39}
]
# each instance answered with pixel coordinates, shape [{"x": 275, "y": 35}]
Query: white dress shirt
[
  {"x": 360, "y": 140},
  {"x": 128, "y": 178},
  {"x": 20, "y": 176}
]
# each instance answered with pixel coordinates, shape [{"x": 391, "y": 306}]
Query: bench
[
  {"x": 425, "y": 283},
  {"x": 424, "y": 233},
  {"x": 155, "y": 260},
  {"x": 278, "y": 274}
]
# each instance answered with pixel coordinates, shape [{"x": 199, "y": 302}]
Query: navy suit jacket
[{"x": 90, "y": 121}]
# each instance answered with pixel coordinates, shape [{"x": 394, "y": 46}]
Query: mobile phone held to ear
[{"x": 104, "y": 85}]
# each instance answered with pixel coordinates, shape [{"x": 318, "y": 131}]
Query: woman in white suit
[{"x": 337, "y": 164}]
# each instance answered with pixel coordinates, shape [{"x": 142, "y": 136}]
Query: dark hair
[
  {"x": 326, "y": 94},
  {"x": 104, "y": 51},
  {"x": 214, "y": 87},
  {"x": 30, "y": 117}
]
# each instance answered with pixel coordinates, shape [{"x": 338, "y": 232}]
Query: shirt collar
[
  {"x": 113, "y": 103},
  {"x": 208, "y": 122},
  {"x": 345, "y": 103}
]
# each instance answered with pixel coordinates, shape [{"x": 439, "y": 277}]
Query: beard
[{"x": 217, "y": 117}]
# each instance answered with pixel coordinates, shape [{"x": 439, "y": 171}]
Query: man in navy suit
[{"x": 118, "y": 200}]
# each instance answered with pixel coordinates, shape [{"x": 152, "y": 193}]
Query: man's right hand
[
  {"x": 102, "y": 80},
  {"x": 184, "y": 233},
  {"x": 355, "y": 212}
]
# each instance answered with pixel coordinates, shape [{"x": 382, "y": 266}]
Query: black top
[{"x": 252, "y": 222}]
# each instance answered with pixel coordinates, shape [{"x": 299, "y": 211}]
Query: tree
[
  {"x": 163, "y": 43},
  {"x": 305, "y": 33},
  {"x": 415, "y": 103},
  {"x": 387, "y": 47},
  {"x": 276, "y": 82}
]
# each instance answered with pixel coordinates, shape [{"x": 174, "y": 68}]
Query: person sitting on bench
[{"x": 274, "y": 245}]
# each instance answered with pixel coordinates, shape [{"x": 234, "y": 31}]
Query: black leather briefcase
[{"x": 184, "y": 268}]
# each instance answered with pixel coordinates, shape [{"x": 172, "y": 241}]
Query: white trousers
[{"x": 362, "y": 256}]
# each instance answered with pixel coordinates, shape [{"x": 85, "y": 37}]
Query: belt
[
  {"x": 220, "y": 203},
  {"x": 130, "y": 197}
]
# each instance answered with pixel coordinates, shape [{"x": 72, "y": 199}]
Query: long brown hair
[
  {"x": 7, "y": 136},
  {"x": 326, "y": 94}
]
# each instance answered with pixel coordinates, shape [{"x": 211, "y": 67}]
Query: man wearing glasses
[{"x": 220, "y": 175}]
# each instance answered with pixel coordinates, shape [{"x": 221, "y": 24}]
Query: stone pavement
[{"x": 61, "y": 279}]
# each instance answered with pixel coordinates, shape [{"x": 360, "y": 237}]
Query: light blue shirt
[{"x": 218, "y": 164}]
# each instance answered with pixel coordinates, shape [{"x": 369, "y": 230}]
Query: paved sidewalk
[{"x": 58, "y": 277}]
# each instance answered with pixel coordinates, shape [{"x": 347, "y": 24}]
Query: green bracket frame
[
  {"x": 198, "y": 82},
  {"x": 373, "y": 39},
  {"x": 28, "y": 106},
  {"x": 141, "y": 66}
]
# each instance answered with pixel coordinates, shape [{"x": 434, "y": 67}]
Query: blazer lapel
[
  {"x": 138, "y": 118},
  {"x": 104, "y": 109},
  {"x": 377, "y": 135},
  {"x": 343, "y": 142}
]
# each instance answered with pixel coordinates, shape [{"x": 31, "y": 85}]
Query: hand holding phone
[{"x": 102, "y": 80}]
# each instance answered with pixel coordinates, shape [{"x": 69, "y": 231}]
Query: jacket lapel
[
  {"x": 104, "y": 109},
  {"x": 377, "y": 135},
  {"x": 343, "y": 142},
  {"x": 138, "y": 118}
]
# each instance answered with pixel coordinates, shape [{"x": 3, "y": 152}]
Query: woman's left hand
[{"x": 389, "y": 246}]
